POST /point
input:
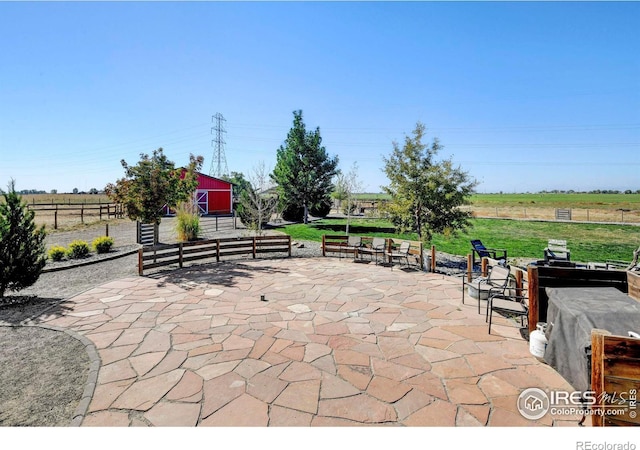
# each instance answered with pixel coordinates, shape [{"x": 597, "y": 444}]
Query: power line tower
[{"x": 219, "y": 161}]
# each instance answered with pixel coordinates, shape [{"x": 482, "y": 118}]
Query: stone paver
[{"x": 335, "y": 344}]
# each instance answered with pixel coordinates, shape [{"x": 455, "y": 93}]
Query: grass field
[
  {"x": 620, "y": 208},
  {"x": 581, "y": 201},
  {"x": 64, "y": 199},
  {"x": 522, "y": 239}
]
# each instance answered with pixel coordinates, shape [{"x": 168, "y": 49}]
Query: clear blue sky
[{"x": 525, "y": 96}]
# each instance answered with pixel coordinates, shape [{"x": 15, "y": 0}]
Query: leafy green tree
[
  {"x": 153, "y": 183},
  {"x": 303, "y": 170},
  {"x": 426, "y": 194},
  {"x": 22, "y": 249}
]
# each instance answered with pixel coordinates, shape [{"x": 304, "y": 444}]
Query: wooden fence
[
  {"x": 82, "y": 210},
  {"x": 168, "y": 254}
]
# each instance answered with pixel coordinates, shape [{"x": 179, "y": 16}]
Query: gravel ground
[{"x": 47, "y": 370}]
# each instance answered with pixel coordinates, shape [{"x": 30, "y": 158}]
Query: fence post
[
  {"x": 469, "y": 267},
  {"x": 106, "y": 230},
  {"x": 180, "y": 255},
  {"x": 519, "y": 274},
  {"x": 140, "y": 262},
  {"x": 323, "y": 243},
  {"x": 433, "y": 258},
  {"x": 55, "y": 219},
  {"x": 217, "y": 250},
  {"x": 254, "y": 247},
  {"x": 484, "y": 266},
  {"x": 82, "y": 214},
  {"x": 216, "y": 223},
  {"x": 289, "y": 239}
]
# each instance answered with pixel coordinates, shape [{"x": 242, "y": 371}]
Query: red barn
[{"x": 213, "y": 196}]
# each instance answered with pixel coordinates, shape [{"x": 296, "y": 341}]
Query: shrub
[
  {"x": 103, "y": 244},
  {"x": 57, "y": 253},
  {"x": 188, "y": 222},
  {"x": 22, "y": 249},
  {"x": 322, "y": 209},
  {"x": 78, "y": 249}
]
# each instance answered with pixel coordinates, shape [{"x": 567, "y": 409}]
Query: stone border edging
[
  {"x": 88, "y": 263},
  {"x": 92, "y": 376}
]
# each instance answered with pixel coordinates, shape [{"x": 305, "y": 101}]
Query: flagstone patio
[{"x": 335, "y": 343}]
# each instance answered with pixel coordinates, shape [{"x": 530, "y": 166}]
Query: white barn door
[{"x": 202, "y": 201}]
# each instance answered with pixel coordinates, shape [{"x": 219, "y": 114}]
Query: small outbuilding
[{"x": 213, "y": 196}]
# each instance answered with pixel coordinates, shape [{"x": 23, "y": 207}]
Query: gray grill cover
[{"x": 572, "y": 314}]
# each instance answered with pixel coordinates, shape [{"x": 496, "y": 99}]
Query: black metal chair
[
  {"x": 354, "y": 244},
  {"x": 508, "y": 304},
  {"x": 401, "y": 253},
  {"x": 496, "y": 282},
  {"x": 378, "y": 247}
]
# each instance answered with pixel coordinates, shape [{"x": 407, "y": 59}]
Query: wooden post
[
  {"x": 55, "y": 219},
  {"x": 484, "y": 266},
  {"x": 140, "y": 262},
  {"x": 323, "y": 245},
  {"x": 597, "y": 375},
  {"x": 519, "y": 275},
  {"x": 469, "y": 267},
  {"x": 289, "y": 239},
  {"x": 532, "y": 273},
  {"x": 82, "y": 214},
  {"x": 254, "y": 247},
  {"x": 433, "y": 258},
  {"x": 100, "y": 213},
  {"x": 180, "y": 255},
  {"x": 217, "y": 250},
  {"x": 106, "y": 230}
]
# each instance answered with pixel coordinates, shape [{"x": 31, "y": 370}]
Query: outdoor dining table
[{"x": 571, "y": 315}]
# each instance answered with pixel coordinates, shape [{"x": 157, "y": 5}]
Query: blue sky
[{"x": 525, "y": 96}]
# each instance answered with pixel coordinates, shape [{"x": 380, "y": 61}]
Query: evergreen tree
[
  {"x": 303, "y": 170},
  {"x": 22, "y": 249},
  {"x": 426, "y": 194}
]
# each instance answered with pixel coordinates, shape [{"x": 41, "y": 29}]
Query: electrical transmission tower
[{"x": 219, "y": 161}]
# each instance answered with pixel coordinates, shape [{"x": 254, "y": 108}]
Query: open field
[
  {"x": 522, "y": 239},
  {"x": 65, "y": 199},
  {"x": 622, "y": 208}
]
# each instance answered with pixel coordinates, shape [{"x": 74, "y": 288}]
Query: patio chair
[
  {"x": 477, "y": 248},
  {"x": 354, "y": 243},
  {"x": 402, "y": 252},
  {"x": 377, "y": 247},
  {"x": 508, "y": 304},
  {"x": 557, "y": 251},
  {"x": 482, "y": 288}
]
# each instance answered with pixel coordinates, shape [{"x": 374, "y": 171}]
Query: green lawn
[{"x": 587, "y": 242}]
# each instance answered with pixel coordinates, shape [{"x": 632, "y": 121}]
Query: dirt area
[{"x": 43, "y": 375}]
